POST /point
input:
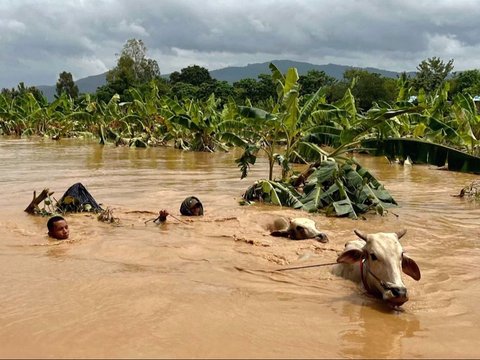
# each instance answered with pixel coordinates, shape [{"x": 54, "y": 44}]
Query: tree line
[{"x": 135, "y": 70}]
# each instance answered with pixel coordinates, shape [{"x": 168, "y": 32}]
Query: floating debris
[
  {"x": 471, "y": 191},
  {"x": 107, "y": 216}
]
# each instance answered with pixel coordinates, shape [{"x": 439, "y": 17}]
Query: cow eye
[{"x": 373, "y": 256}]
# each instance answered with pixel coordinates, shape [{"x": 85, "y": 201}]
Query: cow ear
[
  {"x": 282, "y": 233},
  {"x": 350, "y": 256},
  {"x": 410, "y": 267}
]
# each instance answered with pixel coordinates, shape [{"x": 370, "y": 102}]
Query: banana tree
[
  {"x": 468, "y": 122},
  {"x": 434, "y": 132},
  {"x": 115, "y": 124},
  {"x": 145, "y": 117},
  {"x": 267, "y": 131},
  {"x": 194, "y": 124},
  {"x": 11, "y": 122}
]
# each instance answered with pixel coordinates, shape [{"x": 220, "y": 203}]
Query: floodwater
[{"x": 204, "y": 287}]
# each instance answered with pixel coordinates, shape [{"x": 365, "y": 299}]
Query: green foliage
[
  {"x": 183, "y": 90},
  {"x": 257, "y": 91},
  {"x": 21, "y": 91},
  {"x": 194, "y": 75},
  {"x": 313, "y": 81},
  {"x": 432, "y": 73},
  {"x": 283, "y": 124},
  {"x": 195, "y": 124},
  {"x": 337, "y": 189},
  {"x": 133, "y": 69},
  {"x": 65, "y": 84},
  {"x": 249, "y": 157},
  {"x": 467, "y": 82},
  {"x": 222, "y": 90},
  {"x": 370, "y": 88}
]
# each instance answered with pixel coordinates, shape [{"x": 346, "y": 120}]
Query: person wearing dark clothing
[{"x": 191, "y": 206}]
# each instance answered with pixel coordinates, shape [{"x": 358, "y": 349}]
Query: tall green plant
[{"x": 284, "y": 126}]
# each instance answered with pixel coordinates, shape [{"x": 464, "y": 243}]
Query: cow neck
[{"x": 364, "y": 280}]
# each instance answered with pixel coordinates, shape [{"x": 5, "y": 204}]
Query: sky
[{"x": 39, "y": 39}]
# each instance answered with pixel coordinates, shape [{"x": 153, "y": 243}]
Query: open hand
[{"x": 162, "y": 215}]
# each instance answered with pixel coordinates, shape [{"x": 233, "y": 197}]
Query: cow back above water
[{"x": 377, "y": 260}]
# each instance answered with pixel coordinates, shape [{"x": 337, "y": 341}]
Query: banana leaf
[
  {"x": 273, "y": 192},
  {"x": 344, "y": 208},
  {"x": 324, "y": 135},
  {"x": 313, "y": 200},
  {"x": 339, "y": 190},
  {"x": 424, "y": 152},
  {"x": 311, "y": 152}
]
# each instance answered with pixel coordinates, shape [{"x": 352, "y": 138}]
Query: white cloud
[
  {"x": 445, "y": 44},
  {"x": 13, "y": 26},
  {"x": 129, "y": 29}
]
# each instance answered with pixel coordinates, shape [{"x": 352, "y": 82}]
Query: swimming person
[
  {"x": 58, "y": 228},
  {"x": 191, "y": 206}
]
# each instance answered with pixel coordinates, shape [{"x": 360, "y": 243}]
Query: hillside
[{"x": 233, "y": 73}]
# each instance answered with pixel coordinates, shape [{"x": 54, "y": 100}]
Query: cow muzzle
[
  {"x": 323, "y": 238},
  {"x": 395, "y": 295}
]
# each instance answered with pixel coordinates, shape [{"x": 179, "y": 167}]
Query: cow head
[
  {"x": 301, "y": 229},
  {"x": 382, "y": 261}
]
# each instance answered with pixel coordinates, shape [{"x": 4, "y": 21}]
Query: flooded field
[{"x": 205, "y": 287}]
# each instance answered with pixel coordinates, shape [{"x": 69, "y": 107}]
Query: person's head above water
[
  {"x": 191, "y": 206},
  {"x": 58, "y": 228}
]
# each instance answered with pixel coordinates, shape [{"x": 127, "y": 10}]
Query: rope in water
[{"x": 306, "y": 266}]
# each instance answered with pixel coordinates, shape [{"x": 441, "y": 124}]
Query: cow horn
[
  {"x": 360, "y": 234},
  {"x": 401, "y": 233}
]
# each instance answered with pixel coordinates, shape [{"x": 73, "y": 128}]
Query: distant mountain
[
  {"x": 91, "y": 83},
  {"x": 232, "y": 74}
]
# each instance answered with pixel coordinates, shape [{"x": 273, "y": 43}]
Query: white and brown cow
[
  {"x": 297, "y": 229},
  {"x": 377, "y": 261}
]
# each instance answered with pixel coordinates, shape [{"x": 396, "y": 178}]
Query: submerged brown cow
[
  {"x": 377, "y": 261},
  {"x": 297, "y": 229}
]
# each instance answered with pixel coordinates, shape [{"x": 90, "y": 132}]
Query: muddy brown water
[{"x": 203, "y": 288}]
